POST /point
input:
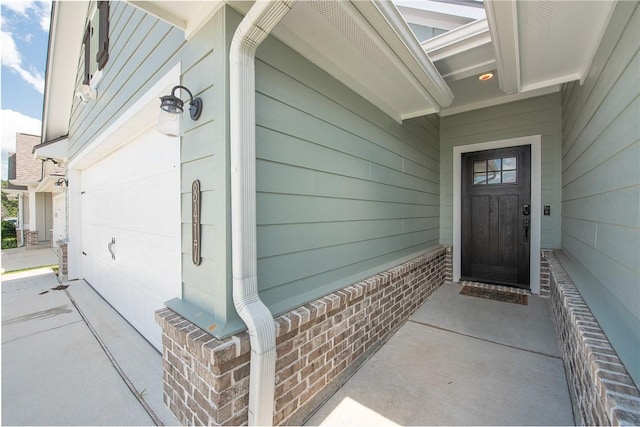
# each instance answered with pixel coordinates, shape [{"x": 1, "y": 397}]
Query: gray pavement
[
  {"x": 21, "y": 258},
  {"x": 59, "y": 368},
  {"x": 460, "y": 360}
]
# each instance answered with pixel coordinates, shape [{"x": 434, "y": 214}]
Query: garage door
[{"x": 131, "y": 229}]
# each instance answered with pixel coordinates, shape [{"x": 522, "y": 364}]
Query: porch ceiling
[
  {"x": 531, "y": 47},
  {"x": 366, "y": 45}
]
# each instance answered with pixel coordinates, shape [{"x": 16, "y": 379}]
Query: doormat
[{"x": 494, "y": 295}]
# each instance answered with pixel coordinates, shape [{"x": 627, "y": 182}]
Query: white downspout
[{"x": 254, "y": 28}]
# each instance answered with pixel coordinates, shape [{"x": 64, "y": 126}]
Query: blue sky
[{"x": 25, "y": 33}]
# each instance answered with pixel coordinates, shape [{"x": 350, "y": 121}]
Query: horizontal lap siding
[
  {"x": 535, "y": 116},
  {"x": 601, "y": 182},
  {"x": 342, "y": 190},
  {"x": 142, "y": 50}
]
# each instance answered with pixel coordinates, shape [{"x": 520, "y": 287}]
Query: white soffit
[
  {"x": 370, "y": 48},
  {"x": 544, "y": 43},
  {"x": 558, "y": 39},
  {"x": 189, "y": 16}
]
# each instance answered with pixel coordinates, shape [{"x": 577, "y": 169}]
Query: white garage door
[{"x": 131, "y": 205}]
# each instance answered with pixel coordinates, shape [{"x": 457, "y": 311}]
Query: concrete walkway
[
  {"x": 20, "y": 258},
  {"x": 69, "y": 359},
  {"x": 460, "y": 360}
]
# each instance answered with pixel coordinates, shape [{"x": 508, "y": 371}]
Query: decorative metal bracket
[
  {"x": 195, "y": 222},
  {"x": 113, "y": 242}
]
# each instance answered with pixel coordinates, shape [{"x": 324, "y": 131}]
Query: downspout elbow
[{"x": 254, "y": 28}]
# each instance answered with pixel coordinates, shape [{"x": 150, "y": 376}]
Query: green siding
[
  {"x": 535, "y": 116},
  {"x": 142, "y": 50},
  {"x": 343, "y": 191},
  {"x": 601, "y": 184}
]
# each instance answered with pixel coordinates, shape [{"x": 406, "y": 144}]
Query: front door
[{"x": 496, "y": 220}]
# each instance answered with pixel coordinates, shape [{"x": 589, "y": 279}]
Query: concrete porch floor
[{"x": 460, "y": 360}]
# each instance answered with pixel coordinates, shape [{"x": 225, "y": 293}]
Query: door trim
[{"x": 536, "y": 200}]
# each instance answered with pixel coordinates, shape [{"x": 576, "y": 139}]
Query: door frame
[{"x": 536, "y": 200}]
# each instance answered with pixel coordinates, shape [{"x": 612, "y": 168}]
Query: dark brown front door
[{"x": 496, "y": 216}]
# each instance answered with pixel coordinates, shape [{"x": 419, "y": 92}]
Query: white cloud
[
  {"x": 12, "y": 122},
  {"x": 12, "y": 59},
  {"x": 19, "y": 7},
  {"x": 44, "y": 15}
]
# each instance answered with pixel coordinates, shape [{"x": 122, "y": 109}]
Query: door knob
[{"x": 526, "y": 209}]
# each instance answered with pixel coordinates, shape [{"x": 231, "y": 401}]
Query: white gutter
[{"x": 254, "y": 28}]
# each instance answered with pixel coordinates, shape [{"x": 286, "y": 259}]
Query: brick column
[
  {"x": 31, "y": 238},
  {"x": 63, "y": 260}
]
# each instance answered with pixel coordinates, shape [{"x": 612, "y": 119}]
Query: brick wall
[
  {"x": 319, "y": 345},
  {"x": 31, "y": 238},
  {"x": 602, "y": 392},
  {"x": 63, "y": 260},
  {"x": 448, "y": 263},
  {"x": 545, "y": 289}
]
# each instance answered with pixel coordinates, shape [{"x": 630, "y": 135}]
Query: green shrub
[
  {"x": 9, "y": 243},
  {"x": 8, "y": 229}
]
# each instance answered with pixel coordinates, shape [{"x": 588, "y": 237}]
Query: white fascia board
[
  {"x": 65, "y": 42},
  {"x": 57, "y": 150},
  {"x": 550, "y": 83},
  {"x": 503, "y": 27},
  {"x": 498, "y": 100},
  {"x": 408, "y": 48},
  {"x": 457, "y": 41},
  {"x": 432, "y": 19},
  {"x": 475, "y": 69},
  {"x": 469, "y": 12}
]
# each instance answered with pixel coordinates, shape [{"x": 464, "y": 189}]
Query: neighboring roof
[
  {"x": 27, "y": 169},
  {"x": 12, "y": 174}
]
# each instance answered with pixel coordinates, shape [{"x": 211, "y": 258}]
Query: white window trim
[{"x": 536, "y": 200}]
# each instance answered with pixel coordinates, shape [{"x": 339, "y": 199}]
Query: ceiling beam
[{"x": 503, "y": 27}]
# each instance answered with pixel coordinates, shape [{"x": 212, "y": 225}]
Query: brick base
[
  {"x": 63, "y": 260},
  {"x": 448, "y": 263},
  {"x": 602, "y": 392},
  {"x": 31, "y": 238},
  {"x": 545, "y": 289},
  {"x": 206, "y": 381}
]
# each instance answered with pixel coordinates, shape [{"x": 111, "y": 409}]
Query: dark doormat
[{"x": 494, "y": 295}]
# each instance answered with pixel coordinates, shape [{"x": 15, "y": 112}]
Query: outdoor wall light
[
  {"x": 171, "y": 109},
  {"x": 61, "y": 182}
]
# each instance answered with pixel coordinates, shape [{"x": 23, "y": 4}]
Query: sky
[{"x": 24, "y": 27}]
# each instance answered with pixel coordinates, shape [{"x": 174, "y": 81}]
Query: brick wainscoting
[
  {"x": 602, "y": 392},
  {"x": 319, "y": 345},
  {"x": 545, "y": 289}
]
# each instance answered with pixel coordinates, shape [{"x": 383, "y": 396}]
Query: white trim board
[{"x": 536, "y": 200}]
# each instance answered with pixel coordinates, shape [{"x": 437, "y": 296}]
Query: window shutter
[
  {"x": 87, "y": 55},
  {"x": 102, "y": 55}
]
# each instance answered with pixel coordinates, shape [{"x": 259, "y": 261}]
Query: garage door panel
[{"x": 132, "y": 196}]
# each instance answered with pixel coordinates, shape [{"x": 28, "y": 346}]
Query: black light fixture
[
  {"x": 171, "y": 109},
  {"x": 61, "y": 182}
]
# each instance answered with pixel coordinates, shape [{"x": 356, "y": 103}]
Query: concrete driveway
[{"x": 69, "y": 359}]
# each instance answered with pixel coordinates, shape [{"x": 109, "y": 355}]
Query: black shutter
[
  {"x": 102, "y": 55},
  {"x": 87, "y": 55}
]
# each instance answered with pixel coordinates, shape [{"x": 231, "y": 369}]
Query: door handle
[
  {"x": 113, "y": 242},
  {"x": 525, "y": 225}
]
